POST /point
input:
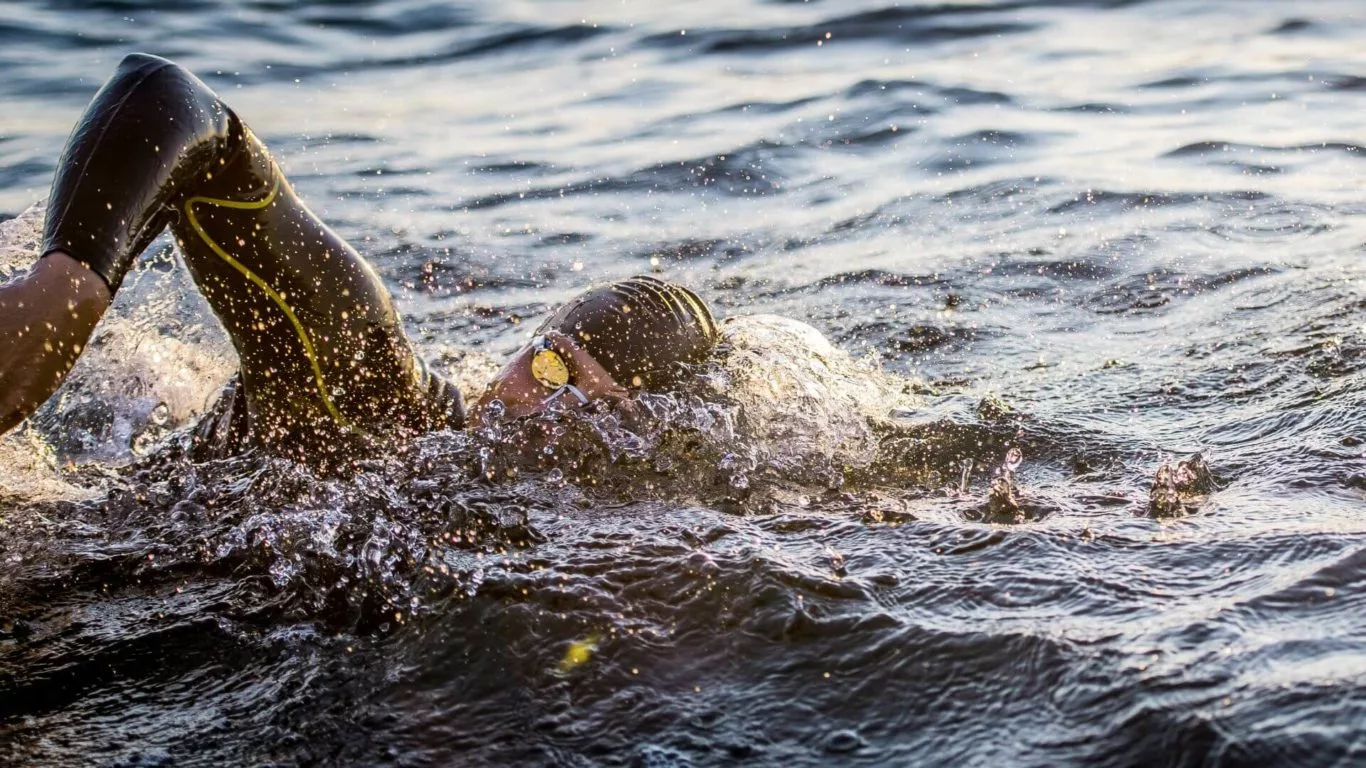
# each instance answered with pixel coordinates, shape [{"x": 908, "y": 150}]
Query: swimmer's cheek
[
  {"x": 515, "y": 390},
  {"x": 498, "y": 404}
]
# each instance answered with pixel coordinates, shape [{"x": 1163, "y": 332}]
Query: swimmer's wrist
[{"x": 86, "y": 281}]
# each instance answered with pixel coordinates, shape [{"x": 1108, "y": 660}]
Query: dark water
[{"x": 1109, "y": 235}]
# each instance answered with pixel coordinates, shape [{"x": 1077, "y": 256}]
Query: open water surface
[{"x": 1083, "y": 241}]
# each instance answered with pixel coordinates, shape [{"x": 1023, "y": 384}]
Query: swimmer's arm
[{"x": 46, "y": 318}]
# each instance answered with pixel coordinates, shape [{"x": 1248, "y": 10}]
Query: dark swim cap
[{"x": 641, "y": 330}]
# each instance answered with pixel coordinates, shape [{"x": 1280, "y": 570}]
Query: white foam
[
  {"x": 802, "y": 402},
  {"x": 154, "y": 363}
]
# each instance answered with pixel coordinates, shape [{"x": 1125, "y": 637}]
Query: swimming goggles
[
  {"x": 547, "y": 367},
  {"x": 567, "y": 389},
  {"x": 551, "y": 372}
]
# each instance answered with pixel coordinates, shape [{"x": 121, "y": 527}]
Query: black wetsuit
[{"x": 325, "y": 365}]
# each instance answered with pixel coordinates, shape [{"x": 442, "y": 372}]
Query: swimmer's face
[{"x": 550, "y": 368}]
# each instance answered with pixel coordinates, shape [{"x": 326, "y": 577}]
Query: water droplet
[{"x": 1013, "y": 458}]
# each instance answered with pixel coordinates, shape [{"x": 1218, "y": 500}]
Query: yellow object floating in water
[
  {"x": 578, "y": 653},
  {"x": 549, "y": 369}
]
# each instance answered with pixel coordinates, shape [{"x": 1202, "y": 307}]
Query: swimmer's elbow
[
  {"x": 154, "y": 71},
  {"x": 142, "y": 72},
  {"x": 154, "y": 85},
  {"x": 143, "y": 63}
]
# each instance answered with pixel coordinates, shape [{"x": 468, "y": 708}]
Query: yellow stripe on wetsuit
[{"x": 274, "y": 295}]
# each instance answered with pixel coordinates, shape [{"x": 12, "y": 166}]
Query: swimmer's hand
[
  {"x": 522, "y": 393},
  {"x": 46, "y": 318}
]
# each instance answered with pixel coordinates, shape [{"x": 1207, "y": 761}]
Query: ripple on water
[
  {"x": 999, "y": 201},
  {"x": 924, "y": 25}
]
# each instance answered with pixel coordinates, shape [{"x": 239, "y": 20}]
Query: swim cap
[{"x": 641, "y": 330}]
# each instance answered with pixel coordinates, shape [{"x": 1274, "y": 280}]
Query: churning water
[{"x": 1077, "y": 478}]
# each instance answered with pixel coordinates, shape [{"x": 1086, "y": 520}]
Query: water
[{"x": 1089, "y": 239}]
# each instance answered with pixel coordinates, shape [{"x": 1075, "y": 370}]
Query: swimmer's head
[{"x": 641, "y": 333}]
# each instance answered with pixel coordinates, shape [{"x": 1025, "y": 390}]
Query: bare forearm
[{"x": 46, "y": 318}]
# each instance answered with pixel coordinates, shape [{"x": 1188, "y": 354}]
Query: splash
[
  {"x": 805, "y": 409},
  {"x": 153, "y": 364},
  {"x": 779, "y": 417},
  {"x": 1179, "y": 489}
]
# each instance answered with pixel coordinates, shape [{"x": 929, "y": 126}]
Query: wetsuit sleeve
[
  {"x": 151, "y": 126},
  {"x": 323, "y": 354}
]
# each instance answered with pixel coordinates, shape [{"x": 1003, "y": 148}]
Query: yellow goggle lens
[{"x": 549, "y": 369}]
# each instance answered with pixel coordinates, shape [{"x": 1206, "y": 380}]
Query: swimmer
[{"x": 325, "y": 368}]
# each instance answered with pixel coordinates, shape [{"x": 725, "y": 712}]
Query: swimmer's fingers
[{"x": 588, "y": 374}]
